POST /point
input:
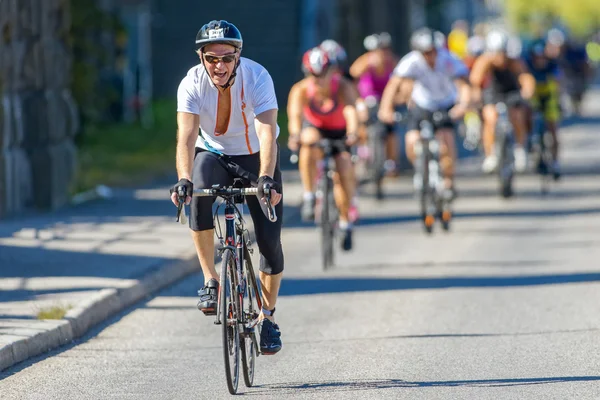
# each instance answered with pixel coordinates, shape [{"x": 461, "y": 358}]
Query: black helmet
[{"x": 219, "y": 32}]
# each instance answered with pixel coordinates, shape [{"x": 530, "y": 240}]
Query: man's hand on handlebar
[
  {"x": 351, "y": 139},
  {"x": 182, "y": 188},
  {"x": 386, "y": 115},
  {"x": 458, "y": 111},
  {"x": 275, "y": 196},
  {"x": 294, "y": 142}
]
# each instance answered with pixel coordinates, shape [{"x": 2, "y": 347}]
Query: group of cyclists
[
  {"x": 227, "y": 121},
  {"x": 336, "y": 100}
]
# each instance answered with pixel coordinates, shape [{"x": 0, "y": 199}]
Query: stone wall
[{"x": 38, "y": 117}]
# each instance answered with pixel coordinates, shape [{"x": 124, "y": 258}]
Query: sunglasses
[{"x": 227, "y": 58}]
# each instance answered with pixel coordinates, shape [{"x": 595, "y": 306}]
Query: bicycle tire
[
  {"x": 505, "y": 170},
  {"x": 425, "y": 194},
  {"x": 250, "y": 310},
  {"x": 377, "y": 147},
  {"x": 229, "y": 320},
  {"x": 326, "y": 229}
]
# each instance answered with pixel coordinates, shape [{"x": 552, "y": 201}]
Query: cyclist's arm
[
  {"x": 386, "y": 106},
  {"x": 526, "y": 80},
  {"x": 481, "y": 68},
  {"x": 464, "y": 91},
  {"x": 350, "y": 96},
  {"x": 294, "y": 110},
  {"x": 359, "y": 66},
  {"x": 266, "y": 129},
  {"x": 188, "y": 125}
]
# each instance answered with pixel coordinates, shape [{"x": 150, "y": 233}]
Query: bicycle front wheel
[
  {"x": 250, "y": 309},
  {"x": 327, "y": 227},
  {"x": 229, "y": 320}
]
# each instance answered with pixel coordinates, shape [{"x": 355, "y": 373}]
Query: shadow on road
[
  {"x": 378, "y": 384},
  {"x": 322, "y": 285}
]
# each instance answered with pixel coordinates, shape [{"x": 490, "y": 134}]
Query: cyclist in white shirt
[
  {"x": 227, "y": 113},
  {"x": 438, "y": 82}
]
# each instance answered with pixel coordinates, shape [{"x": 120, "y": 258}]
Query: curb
[{"x": 99, "y": 307}]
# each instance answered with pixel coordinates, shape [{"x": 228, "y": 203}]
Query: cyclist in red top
[{"x": 322, "y": 105}]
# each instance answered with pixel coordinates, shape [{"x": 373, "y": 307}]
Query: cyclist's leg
[
  {"x": 415, "y": 116},
  {"x": 344, "y": 184},
  {"x": 490, "y": 119},
  {"x": 445, "y": 136},
  {"x": 268, "y": 239},
  {"x": 207, "y": 171},
  {"x": 267, "y": 233},
  {"x": 517, "y": 117},
  {"x": 391, "y": 147},
  {"x": 307, "y": 164},
  {"x": 552, "y": 116}
]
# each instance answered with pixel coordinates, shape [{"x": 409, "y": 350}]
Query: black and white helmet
[
  {"x": 423, "y": 40},
  {"x": 219, "y": 31}
]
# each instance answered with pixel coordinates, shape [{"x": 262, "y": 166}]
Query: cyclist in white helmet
[
  {"x": 436, "y": 81},
  {"x": 504, "y": 78},
  {"x": 372, "y": 71}
]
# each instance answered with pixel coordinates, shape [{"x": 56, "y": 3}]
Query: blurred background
[{"x": 88, "y": 86}]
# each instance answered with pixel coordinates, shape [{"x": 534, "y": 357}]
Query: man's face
[
  {"x": 325, "y": 79},
  {"x": 219, "y": 60},
  {"x": 430, "y": 57},
  {"x": 500, "y": 59}
]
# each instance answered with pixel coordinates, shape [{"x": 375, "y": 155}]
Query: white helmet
[
  {"x": 556, "y": 37},
  {"x": 335, "y": 51},
  {"x": 496, "y": 41},
  {"x": 385, "y": 40},
  {"x": 371, "y": 42},
  {"x": 475, "y": 45},
  {"x": 423, "y": 40},
  {"x": 514, "y": 48},
  {"x": 440, "y": 39}
]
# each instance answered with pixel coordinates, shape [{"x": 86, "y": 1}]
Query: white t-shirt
[
  {"x": 252, "y": 93},
  {"x": 434, "y": 89}
]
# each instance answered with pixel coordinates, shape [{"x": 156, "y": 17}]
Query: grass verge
[
  {"x": 129, "y": 155},
  {"x": 54, "y": 312}
]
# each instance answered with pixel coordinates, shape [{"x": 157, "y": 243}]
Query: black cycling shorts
[
  {"x": 418, "y": 114},
  {"x": 208, "y": 171},
  {"x": 330, "y": 134}
]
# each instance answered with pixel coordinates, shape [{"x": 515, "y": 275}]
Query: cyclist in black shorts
[{"x": 504, "y": 78}]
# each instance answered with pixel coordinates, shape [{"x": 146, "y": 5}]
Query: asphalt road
[{"x": 505, "y": 306}]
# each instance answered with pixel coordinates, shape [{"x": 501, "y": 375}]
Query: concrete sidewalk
[{"x": 94, "y": 260}]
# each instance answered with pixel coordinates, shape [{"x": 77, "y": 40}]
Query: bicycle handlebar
[{"x": 227, "y": 192}]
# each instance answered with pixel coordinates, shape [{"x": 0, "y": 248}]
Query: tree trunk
[{"x": 38, "y": 118}]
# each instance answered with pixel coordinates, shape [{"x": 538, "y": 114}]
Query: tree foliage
[{"x": 581, "y": 17}]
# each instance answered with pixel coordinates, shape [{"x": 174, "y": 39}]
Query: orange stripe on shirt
[{"x": 245, "y": 122}]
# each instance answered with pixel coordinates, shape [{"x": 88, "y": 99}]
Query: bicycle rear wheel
[{"x": 228, "y": 298}]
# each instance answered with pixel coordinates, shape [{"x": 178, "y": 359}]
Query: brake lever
[
  {"x": 181, "y": 217},
  {"x": 272, "y": 215}
]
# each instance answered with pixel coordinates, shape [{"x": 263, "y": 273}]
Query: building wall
[{"x": 270, "y": 29}]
